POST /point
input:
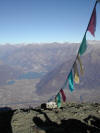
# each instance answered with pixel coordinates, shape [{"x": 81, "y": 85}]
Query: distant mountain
[
  {"x": 32, "y": 60},
  {"x": 42, "y": 58},
  {"x": 23, "y": 66},
  {"x": 54, "y": 80},
  {"x": 35, "y": 57},
  {"x": 8, "y": 73}
]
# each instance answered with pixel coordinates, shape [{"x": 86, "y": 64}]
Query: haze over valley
[{"x": 35, "y": 72}]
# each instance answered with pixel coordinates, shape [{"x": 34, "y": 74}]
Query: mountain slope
[
  {"x": 8, "y": 73},
  {"x": 54, "y": 80},
  {"x": 35, "y": 57}
]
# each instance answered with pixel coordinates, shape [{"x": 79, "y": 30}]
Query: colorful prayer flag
[
  {"x": 76, "y": 74},
  {"x": 81, "y": 66},
  {"x": 63, "y": 95},
  {"x": 83, "y": 46},
  {"x": 58, "y": 99},
  {"x": 70, "y": 79},
  {"x": 92, "y": 23}
]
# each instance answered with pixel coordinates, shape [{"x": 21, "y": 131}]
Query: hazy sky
[{"x": 46, "y": 20}]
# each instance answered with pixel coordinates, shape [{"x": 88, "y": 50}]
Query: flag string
[{"x": 91, "y": 27}]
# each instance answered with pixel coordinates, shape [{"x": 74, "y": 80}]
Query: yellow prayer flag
[
  {"x": 76, "y": 74},
  {"x": 81, "y": 66}
]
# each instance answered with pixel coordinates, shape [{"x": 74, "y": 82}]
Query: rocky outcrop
[{"x": 70, "y": 118}]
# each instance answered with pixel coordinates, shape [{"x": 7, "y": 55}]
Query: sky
[{"x": 39, "y": 21}]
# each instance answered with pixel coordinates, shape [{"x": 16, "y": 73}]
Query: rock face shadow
[
  {"x": 93, "y": 120},
  {"x": 66, "y": 126},
  {"x": 6, "y": 114}
]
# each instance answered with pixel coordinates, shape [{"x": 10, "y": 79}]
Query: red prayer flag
[
  {"x": 63, "y": 95},
  {"x": 92, "y": 23}
]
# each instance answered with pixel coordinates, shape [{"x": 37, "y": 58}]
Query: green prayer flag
[
  {"x": 58, "y": 98},
  {"x": 70, "y": 79},
  {"x": 83, "y": 46}
]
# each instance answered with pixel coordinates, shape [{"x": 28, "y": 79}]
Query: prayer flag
[
  {"x": 83, "y": 46},
  {"x": 76, "y": 74},
  {"x": 92, "y": 23},
  {"x": 58, "y": 98},
  {"x": 70, "y": 79},
  {"x": 81, "y": 67},
  {"x": 63, "y": 95}
]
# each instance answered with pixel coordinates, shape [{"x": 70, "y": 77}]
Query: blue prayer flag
[
  {"x": 70, "y": 79},
  {"x": 58, "y": 100}
]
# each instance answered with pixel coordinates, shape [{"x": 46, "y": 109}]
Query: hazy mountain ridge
[
  {"x": 56, "y": 59},
  {"x": 36, "y": 57},
  {"x": 52, "y": 82},
  {"x": 8, "y": 73}
]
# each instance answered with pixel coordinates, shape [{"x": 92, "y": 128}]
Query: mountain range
[
  {"x": 37, "y": 72},
  {"x": 89, "y": 82},
  {"x": 34, "y": 57},
  {"x": 91, "y": 79}
]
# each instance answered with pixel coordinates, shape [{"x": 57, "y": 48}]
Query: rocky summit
[{"x": 70, "y": 118}]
